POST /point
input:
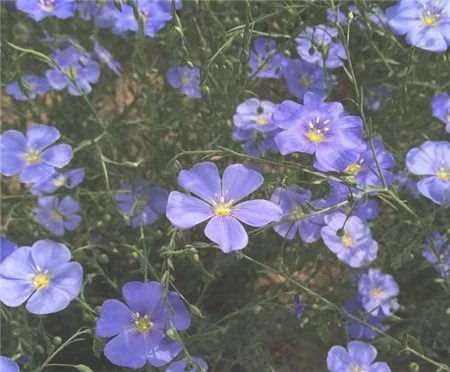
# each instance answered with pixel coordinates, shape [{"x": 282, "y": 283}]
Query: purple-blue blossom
[
  {"x": 437, "y": 252},
  {"x": 75, "y": 70},
  {"x": 218, "y": 201},
  {"x": 41, "y": 275},
  {"x": 358, "y": 357},
  {"x": 431, "y": 160},
  {"x": 316, "y": 127},
  {"x": 69, "y": 179},
  {"x": 57, "y": 215},
  {"x": 440, "y": 106},
  {"x": 6, "y": 247},
  {"x": 196, "y": 364},
  {"x": 138, "y": 327},
  {"x": 378, "y": 293},
  {"x": 8, "y": 365},
  {"x": 32, "y": 157},
  {"x": 319, "y": 45},
  {"x": 30, "y": 87},
  {"x": 256, "y": 143},
  {"x": 142, "y": 202},
  {"x": 350, "y": 239},
  {"x": 426, "y": 23},
  {"x": 302, "y": 77},
  {"x": 253, "y": 114},
  {"x": 336, "y": 16},
  {"x": 186, "y": 79},
  {"x": 264, "y": 59},
  {"x": 106, "y": 57},
  {"x": 40, "y": 9}
]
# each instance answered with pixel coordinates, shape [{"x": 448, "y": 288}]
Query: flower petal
[
  {"x": 48, "y": 254},
  {"x": 162, "y": 354},
  {"x": 257, "y": 213},
  {"x": 379, "y": 367},
  {"x": 126, "y": 350},
  {"x": 227, "y": 232},
  {"x": 18, "y": 265},
  {"x": 185, "y": 211},
  {"x": 12, "y": 141},
  {"x": 114, "y": 318},
  {"x": 47, "y": 301},
  {"x": 14, "y": 292},
  {"x": 39, "y": 137},
  {"x": 10, "y": 165},
  {"x": 68, "y": 278},
  {"x": 141, "y": 297},
  {"x": 58, "y": 155},
  {"x": 338, "y": 359},
  {"x": 202, "y": 180},
  {"x": 361, "y": 352},
  {"x": 36, "y": 173},
  {"x": 179, "y": 315},
  {"x": 239, "y": 181}
]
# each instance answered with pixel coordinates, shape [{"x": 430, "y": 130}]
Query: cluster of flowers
[{"x": 37, "y": 163}]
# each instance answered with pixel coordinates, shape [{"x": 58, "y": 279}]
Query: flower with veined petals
[
  {"x": 219, "y": 202},
  {"x": 42, "y": 274},
  {"x": 186, "y": 79},
  {"x": 58, "y": 215}
]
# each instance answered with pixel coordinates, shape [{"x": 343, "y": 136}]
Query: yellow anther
[
  {"x": 315, "y": 136},
  {"x": 41, "y": 281},
  {"x": 262, "y": 120},
  {"x": 443, "y": 174},
  {"x": 143, "y": 324},
  {"x": 347, "y": 240},
  {"x": 222, "y": 209},
  {"x": 353, "y": 169},
  {"x": 32, "y": 157}
]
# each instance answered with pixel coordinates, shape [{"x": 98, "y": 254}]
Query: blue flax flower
[
  {"x": 6, "y": 247},
  {"x": 218, "y": 201},
  {"x": 302, "y": 77},
  {"x": 30, "y": 87},
  {"x": 138, "y": 327},
  {"x": 58, "y": 215},
  {"x": 69, "y": 179},
  {"x": 319, "y": 45},
  {"x": 296, "y": 204},
  {"x": 378, "y": 293},
  {"x": 426, "y": 23},
  {"x": 40, "y": 9},
  {"x": 316, "y": 127},
  {"x": 42, "y": 274},
  {"x": 143, "y": 202},
  {"x": 441, "y": 109},
  {"x": 256, "y": 143},
  {"x": 437, "y": 253},
  {"x": 357, "y": 330},
  {"x": 106, "y": 57},
  {"x": 264, "y": 58},
  {"x": 432, "y": 160},
  {"x": 196, "y": 365},
  {"x": 358, "y": 357},
  {"x": 75, "y": 70},
  {"x": 32, "y": 157},
  {"x": 350, "y": 239},
  {"x": 8, "y": 365},
  {"x": 186, "y": 79}
]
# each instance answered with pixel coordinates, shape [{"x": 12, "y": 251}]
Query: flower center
[
  {"x": 443, "y": 174},
  {"x": 143, "y": 324},
  {"x": 32, "y": 157},
  {"x": 262, "y": 120},
  {"x": 56, "y": 216},
  {"x": 46, "y": 5},
  {"x": 297, "y": 213},
  {"x": 347, "y": 240},
  {"x": 59, "y": 181},
  {"x": 358, "y": 369},
  {"x": 317, "y": 129},
  {"x": 353, "y": 169},
  {"x": 41, "y": 280},
  {"x": 71, "y": 72},
  {"x": 377, "y": 292},
  {"x": 305, "y": 81},
  {"x": 222, "y": 209},
  {"x": 315, "y": 136},
  {"x": 185, "y": 80},
  {"x": 430, "y": 18}
]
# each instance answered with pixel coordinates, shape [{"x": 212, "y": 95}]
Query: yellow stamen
[
  {"x": 222, "y": 209},
  {"x": 185, "y": 80},
  {"x": 56, "y": 216},
  {"x": 32, "y": 157},
  {"x": 377, "y": 292},
  {"x": 297, "y": 213},
  {"x": 443, "y": 174},
  {"x": 71, "y": 72},
  {"x": 41, "y": 281},
  {"x": 59, "y": 181},
  {"x": 430, "y": 20},
  {"x": 143, "y": 324},
  {"x": 347, "y": 240},
  {"x": 315, "y": 136},
  {"x": 353, "y": 169},
  {"x": 262, "y": 120}
]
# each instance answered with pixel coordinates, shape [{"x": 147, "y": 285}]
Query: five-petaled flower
[
  {"x": 219, "y": 202},
  {"x": 31, "y": 156},
  {"x": 41, "y": 274},
  {"x": 264, "y": 59},
  {"x": 186, "y": 79}
]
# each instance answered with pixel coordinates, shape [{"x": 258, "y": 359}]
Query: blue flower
[
  {"x": 196, "y": 365},
  {"x": 31, "y": 156},
  {"x": 105, "y": 56},
  {"x": 316, "y": 127},
  {"x": 186, "y": 79},
  {"x": 139, "y": 327},
  {"x": 8, "y": 365},
  {"x": 143, "y": 202},
  {"x": 40, "y": 9},
  {"x": 302, "y": 77},
  {"x": 356, "y": 329},
  {"x": 432, "y": 160},
  {"x": 378, "y": 293},
  {"x": 426, "y": 23},
  {"x": 336, "y": 16},
  {"x": 218, "y": 202},
  {"x": 41, "y": 274},
  {"x": 69, "y": 179},
  {"x": 6, "y": 247},
  {"x": 319, "y": 45},
  {"x": 30, "y": 87},
  {"x": 441, "y": 109},
  {"x": 350, "y": 239},
  {"x": 295, "y": 203},
  {"x": 437, "y": 253},
  {"x": 58, "y": 216},
  {"x": 358, "y": 357},
  {"x": 253, "y": 114},
  {"x": 264, "y": 58},
  {"x": 257, "y": 143},
  {"x": 75, "y": 70}
]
